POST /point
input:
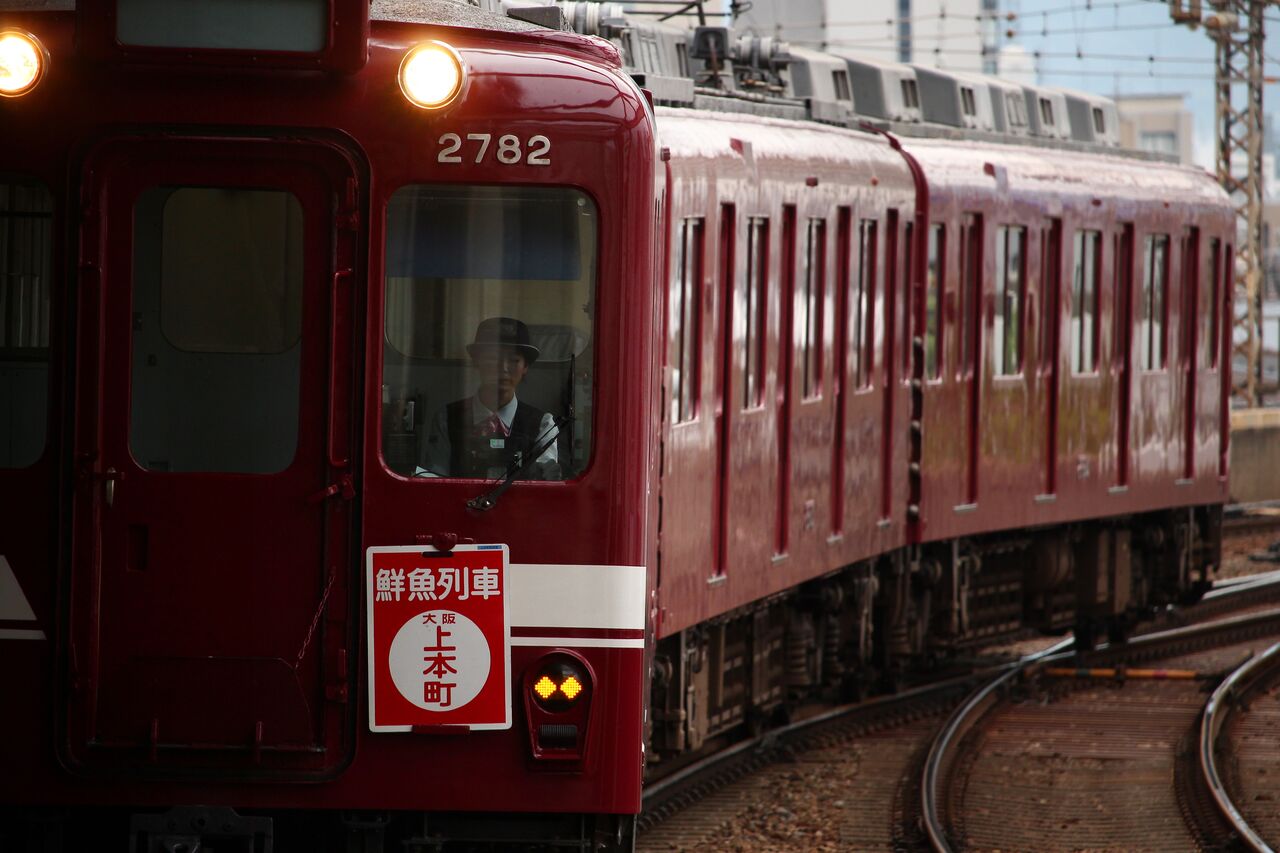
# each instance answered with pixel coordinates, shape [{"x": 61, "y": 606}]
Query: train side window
[
  {"x": 934, "y": 289},
  {"x": 908, "y": 255},
  {"x": 489, "y": 312},
  {"x": 754, "y": 310},
  {"x": 970, "y": 291},
  {"x": 1084, "y": 301},
  {"x": 1011, "y": 245},
  {"x": 815, "y": 274},
  {"x": 1155, "y": 291},
  {"x": 685, "y": 308},
  {"x": 217, "y": 302},
  {"x": 863, "y": 304},
  {"x": 26, "y": 259},
  {"x": 1210, "y": 300}
]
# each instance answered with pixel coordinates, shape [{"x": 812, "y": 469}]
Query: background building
[
  {"x": 1159, "y": 123},
  {"x": 956, "y": 34}
]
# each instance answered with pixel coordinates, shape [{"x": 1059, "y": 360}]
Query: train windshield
[{"x": 490, "y": 306}]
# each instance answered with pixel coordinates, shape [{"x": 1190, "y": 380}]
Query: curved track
[
  {"x": 852, "y": 775},
  {"x": 1142, "y": 729},
  {"x": 1228, "y": 697}
]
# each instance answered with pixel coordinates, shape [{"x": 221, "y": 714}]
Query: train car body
[
  {"x": 1018, "y": 424},
  {"x": 1035, "y": 334},
  {"x": 233, "y": 366},
  {"x": 811, "y": 402}
]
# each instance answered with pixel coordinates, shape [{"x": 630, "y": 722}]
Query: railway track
[
  {"x": 667, "y": 818},
  {"x": 866, "y": 760},
  {"x": 1085, "y": 763},
  {"x": 1250, "y": 536},
  {"x": 1238, "y": 742}
]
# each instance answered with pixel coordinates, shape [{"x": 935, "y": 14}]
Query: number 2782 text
[{"x": 509, "y": 149}]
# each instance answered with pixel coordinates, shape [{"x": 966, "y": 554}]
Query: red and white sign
[{"x": 439, "y": 638}]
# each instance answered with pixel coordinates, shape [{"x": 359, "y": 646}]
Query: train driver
[{"x": 485, "y": 434}]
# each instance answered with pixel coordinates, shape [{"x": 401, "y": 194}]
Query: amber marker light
[
  {"x": 431, "y": 75},
  {"x": 23, "y": 60},
  {"x": 559, "y": 685},
  {"x": 545, "y": 687}
]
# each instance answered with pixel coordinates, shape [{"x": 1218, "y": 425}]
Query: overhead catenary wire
[
  {"x": 929, "y": 42},
  {"x": 980, "y": 17}
]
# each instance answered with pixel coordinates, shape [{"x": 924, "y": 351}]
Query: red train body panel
[
  {"x": 757, "y": 170},
  {"x": 260, "y": 553},
  {"x": 1033, "y": 470},
  {"x": 830, "y": 402}
]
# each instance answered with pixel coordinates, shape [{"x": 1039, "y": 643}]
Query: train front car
[{"x": 325, "y": 391}]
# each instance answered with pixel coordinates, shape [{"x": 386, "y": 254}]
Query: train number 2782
[{"x": 509, "y": 149}]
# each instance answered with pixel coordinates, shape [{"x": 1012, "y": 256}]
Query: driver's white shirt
[{"x": 439, "y": 449}]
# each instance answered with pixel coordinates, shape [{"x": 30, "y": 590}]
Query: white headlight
[
  {"x": 431, "y": 75},
  {"x": 22, "y": 62}
]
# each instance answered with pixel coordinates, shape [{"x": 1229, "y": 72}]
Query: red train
[{"x": 414, "y": 427}]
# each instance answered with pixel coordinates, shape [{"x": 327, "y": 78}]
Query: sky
[{"x": 1124, "y": 47}]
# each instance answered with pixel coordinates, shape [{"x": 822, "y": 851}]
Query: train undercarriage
[{"x": 866, "y": 627}]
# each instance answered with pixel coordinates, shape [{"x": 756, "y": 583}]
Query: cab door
[{"x": 213, "y": 488}]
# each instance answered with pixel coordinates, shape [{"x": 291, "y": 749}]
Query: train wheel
[
  {"x": 1118, "y": 628},
  {"x": 614, "y": 833},
  {"x": 1086, "y": 635}
]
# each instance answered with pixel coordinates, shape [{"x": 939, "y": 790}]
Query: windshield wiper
[{"x": 487, "y": 501}]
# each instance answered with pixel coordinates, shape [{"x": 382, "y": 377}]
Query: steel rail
[
  {"x": 1216, "y": 710},
  {"x": 962, "y": 721},
  {"x": 970, "y": 712},
  {"x": 743, "y": 757},
  {"x": 662, "y": 796}
]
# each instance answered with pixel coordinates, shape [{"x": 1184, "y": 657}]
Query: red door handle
[{"x": 344, "y": 487}]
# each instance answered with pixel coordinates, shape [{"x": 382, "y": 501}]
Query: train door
[
  {"x": 724, "y": 384},
  {"x": 1190, "y": 345},
  {"x": 1050, "y": 343},
  {"x": 786, "y": 347},
  {"x": 1122, "y": 363},
  {"x": 212, "y": 507},
  {"x": 1223, "y": 323},
  {"x": 971, "y": 320},
  {"x": 890, "y": 363},
  {"x": 840, "y": 380}
]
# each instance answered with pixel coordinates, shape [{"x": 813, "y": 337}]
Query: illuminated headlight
[
  {"x": 431, "y": 75},
  {"x": 559, "y": 684},
  {"x": 22, "y": 63}
]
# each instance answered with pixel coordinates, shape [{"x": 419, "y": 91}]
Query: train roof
[
  {"x": 719, "y": 69},
  {"x": 693, "y": 133},
  {"x": 1033, "y": 170}
]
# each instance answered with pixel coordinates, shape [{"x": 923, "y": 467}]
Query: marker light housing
[
  {"x": 431, "y": 75},
  {"x": 557, "y": 700},
  {"x": 23, "y": 62},
  {"x": 559, "y": 683}
]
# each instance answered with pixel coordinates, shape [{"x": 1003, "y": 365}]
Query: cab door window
[
  {"x": 26, "y": 229},
  {"x": 217, "y": 314},
  {"x": 488, "y": 330}
]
